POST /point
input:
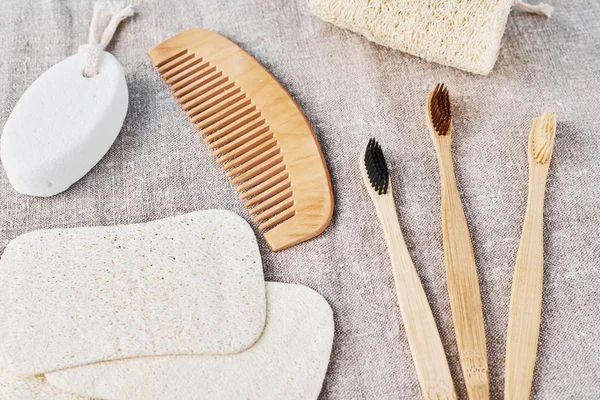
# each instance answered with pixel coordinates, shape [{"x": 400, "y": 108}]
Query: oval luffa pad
[
  {"x": 191, "y": 284},
  {"x": 289, "y": 361}
]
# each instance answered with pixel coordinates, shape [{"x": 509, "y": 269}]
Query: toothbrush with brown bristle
[
  {"x": 461, "y": 272},
  {"x": 526, "y": 297},
  {"x": 423, "y": 337}
]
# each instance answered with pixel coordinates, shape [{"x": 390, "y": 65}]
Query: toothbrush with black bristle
[{"x": 423, "y": 337}]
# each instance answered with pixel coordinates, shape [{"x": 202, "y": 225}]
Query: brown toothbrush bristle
[
  {"x": 440, "y": 111},
  {"x": 256, "y": 132}
]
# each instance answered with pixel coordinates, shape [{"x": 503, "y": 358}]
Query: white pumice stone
[
  {"x": 63, "y": 125},
  {"x": 190, "y": 284},
  {"x": 289, "y": 361}
]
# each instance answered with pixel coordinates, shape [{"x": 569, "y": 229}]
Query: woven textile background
[{"x": 350, "y": 90}]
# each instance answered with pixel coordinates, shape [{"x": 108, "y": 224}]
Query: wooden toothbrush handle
[
  {"x": 423, "y": 337},
  {"x": 463, "y": 287},
  {"x": 526, "y": 299}
]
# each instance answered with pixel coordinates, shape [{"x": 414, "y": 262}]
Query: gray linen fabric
[{"x": 350, "y": 90}]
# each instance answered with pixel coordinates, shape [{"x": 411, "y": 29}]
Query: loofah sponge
[
  {"x": 191, "y": 284},
  {"x": 16, "y": 387},
  {"x": 289, "y": 361},
  {"x": 464, "y": 34}
]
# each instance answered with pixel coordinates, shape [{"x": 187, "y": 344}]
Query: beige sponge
[
  {"x": 17, "y": 387},
  {"x": 465, "y": 34},
  {"x": 191, "y": 284},
  {"x": 289, "y": 361}
]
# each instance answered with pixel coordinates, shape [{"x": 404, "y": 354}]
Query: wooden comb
[{"x": 256, "y": 131}]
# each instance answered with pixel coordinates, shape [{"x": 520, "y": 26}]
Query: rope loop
[
  {"x": 107, "y": 17},
  {"x": 539, "y": 9}
]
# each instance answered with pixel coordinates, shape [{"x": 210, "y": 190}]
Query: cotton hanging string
[
  {"x": 540, "y": 8},
  {"x": 106, "y": 19}
]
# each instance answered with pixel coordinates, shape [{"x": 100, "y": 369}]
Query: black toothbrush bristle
[{"x": 376, "y": 167}]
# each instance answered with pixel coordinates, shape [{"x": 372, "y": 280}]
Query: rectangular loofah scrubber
[
  {"x": 460, "y": 33},
  {"x": 190, "y": 284},
  {"x": 288, "y": 362}
]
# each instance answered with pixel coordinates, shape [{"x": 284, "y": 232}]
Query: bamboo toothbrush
[
  {"x": 526, "y": 297},
  {"x": 423, "y": 337},
  {"x": 461, "y": 272}
]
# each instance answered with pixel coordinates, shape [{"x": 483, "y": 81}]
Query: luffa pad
[
  {"x": 16, "y": 387},
  {"x": 191, "y": 284},
  {"x": 289, "y": 361},
  {"x": 460, "y": 33}
]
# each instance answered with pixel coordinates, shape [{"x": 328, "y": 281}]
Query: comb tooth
[
  {"x": 282, "y": 216},
  {"x": 259, "y": 169},
  {"x": 227, "y": 103},
  {"x": 243, "y": 145},
  {"x": 217, "y": 134},
  {"x": 253, "y": 159},
  {"x": 174, "y": 61},
  {"x": 238, "y": 138},
  {"x": 238, "y": 128},
  {"x": 274, "y": 210},
  {"x": 267, "y": 194},
  {"x": 198, "y": 88},
  {"x": 266, "y": 185},
  {"x": 214, "y": 117},
  {"x": 273, "y": 201},
  {"x": 209, "y": 91},
  {"x": 189, "y": 77},
  {"x": 263, "y": 177},
  {"x": 225, "y": 117},
  {"x": 182, "y": 71},
  {"x": 221, "y": 95},
  {"x": 167, "y": 60}
]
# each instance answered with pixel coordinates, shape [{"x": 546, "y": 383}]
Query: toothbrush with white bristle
[{"x": 526, "y": 296}]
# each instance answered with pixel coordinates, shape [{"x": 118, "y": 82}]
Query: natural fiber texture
[
  {"x": 190, "y": 284},
  {"x": 350, "y": 90},
  {"x": 464, "y": 34},
  {"x": 15, "y": 387},
  {"x": 287, "y": 362}
]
